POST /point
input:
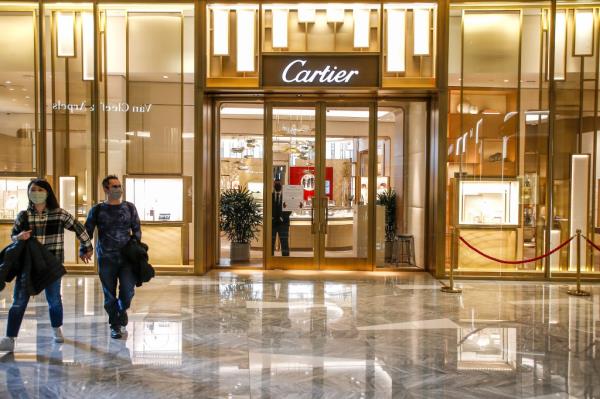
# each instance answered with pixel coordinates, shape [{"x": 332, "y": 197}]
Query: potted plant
[
  {"x": 239, "y": 218},
  {"x": 388, "y": 200}
]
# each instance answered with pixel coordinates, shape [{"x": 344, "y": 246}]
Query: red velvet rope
[
  {"x": 516, "y": 262},
  {"x": 591, "y": 243}
]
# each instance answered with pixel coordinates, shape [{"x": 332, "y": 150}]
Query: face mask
[
  {"x": 38, "y": 197},
  {"x": 115, "y": 193},
  {"x": 277, "y": 187}
]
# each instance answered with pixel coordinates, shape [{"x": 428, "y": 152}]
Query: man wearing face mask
[
  {"x": 280, "y": 220},
  {"x": 116, "y": 221}
]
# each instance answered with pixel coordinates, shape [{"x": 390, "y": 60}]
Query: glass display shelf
[
  {"x": 157, "y": 199},
  {"x": 488, "y": 203},
  {"x": 13, "y": 196}
]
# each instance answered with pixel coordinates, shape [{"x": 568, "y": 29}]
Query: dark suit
[{"x": 280, "y": 224}]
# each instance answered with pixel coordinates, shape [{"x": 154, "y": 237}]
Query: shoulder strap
[
  {"x": 25, "y": 220},
  {"x": 96, "y": 209},
  {"x": 131, "y": 208}
]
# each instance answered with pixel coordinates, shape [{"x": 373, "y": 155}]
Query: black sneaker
[
  {"x": 123, "y": 318},
  {"x": 115, "y": 332}
]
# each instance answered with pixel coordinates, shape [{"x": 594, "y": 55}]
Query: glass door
[
  {"x": 346, "y": 199},
  {"x": 318, "y": 176},
  {"x": 291, "y": 181}
]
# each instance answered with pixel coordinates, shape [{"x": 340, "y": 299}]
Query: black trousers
[{"x": 283, "y": 229}]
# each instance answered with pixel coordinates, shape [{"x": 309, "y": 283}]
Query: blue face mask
[
  {"x": 115, "y": 193},
  {"x": 38, "y": 197}
]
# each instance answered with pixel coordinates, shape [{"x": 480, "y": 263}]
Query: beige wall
[{"x": 416, "y": 177}]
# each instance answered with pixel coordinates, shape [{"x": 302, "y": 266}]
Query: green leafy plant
[
  {"x": 239, "y": 215},
  {"x": 388, "y": 199}
]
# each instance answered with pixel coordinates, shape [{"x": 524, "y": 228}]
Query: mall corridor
[{"x": 254, "y": 334}]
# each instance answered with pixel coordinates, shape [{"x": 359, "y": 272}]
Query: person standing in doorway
[
  {"x": 280, "y": 220},
  {"x": 45, "y": 221},
  {"x": 116, "y": 221}
]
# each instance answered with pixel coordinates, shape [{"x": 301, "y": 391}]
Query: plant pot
[
  {"x": 389, "y": 251},
  {"x": 240, "y": 252}
]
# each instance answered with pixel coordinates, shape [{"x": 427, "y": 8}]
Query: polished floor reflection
[{"x": 300, "y": 335}]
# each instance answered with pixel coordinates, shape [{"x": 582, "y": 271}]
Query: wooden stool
[{"x": 404, "y": 250}]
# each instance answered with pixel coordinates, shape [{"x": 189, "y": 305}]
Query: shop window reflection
[
  {"x": 147, "y": 119},
  {"x": 489, "y": 349},
  {"x": 155, "y": 342},
  {"x": 18, "y": 90}
]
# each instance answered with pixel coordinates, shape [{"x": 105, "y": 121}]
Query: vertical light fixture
[
  {"x": 306, "y": 13},
  {"x": 87, "y": 48},
  {"x": 280, "y": 28},
  {"x": 584, "y": 33},
  {"x": 245, "y": 40},
  {"x": 65, "y": 34},
  {"x": 580, "y": 185},
  {"x": 335, "y": 13},
  {"x": 560, "y": 45},
  {"x": 422, "y": 28},
  {"x": 220, "y": 31},
  {"x": 477, "y": 130},
  {"x": 361, "y": 27},
  {"x": 396, "y": 32}
]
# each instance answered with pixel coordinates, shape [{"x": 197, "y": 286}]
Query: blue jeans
[
  {"x": 114, "y": 269},
  {"x": 20, "y": 301}
]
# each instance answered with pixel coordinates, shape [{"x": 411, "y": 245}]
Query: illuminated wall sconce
[
  {"x": 560, "y": 45},
  {"x": 584, "y": 33},
  {"x": 396, "y": 32},
  {"x": 280, "y": 28},
  {"x": 220, "y": 31},
  {"x": 422, "y": 28},
  {"x": 87, "y": 34},
  {"x": 477, "y": 130},
  {"x": 306, "y": 14},
  {"x": 362, "y": 27},
  {"x": 335, "y": 13},
  {"x": 245, "y": 40},
  {"x": 65, "y": 34}
]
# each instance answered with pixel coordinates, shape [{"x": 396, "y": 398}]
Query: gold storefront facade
[{"x": 480, "y": 118}]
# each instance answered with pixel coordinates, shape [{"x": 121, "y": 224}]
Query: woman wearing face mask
[
  {"x": 44, "y": 221},
  {"x": 116, "y": 221}
]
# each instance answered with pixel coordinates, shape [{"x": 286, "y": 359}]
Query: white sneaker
[
  {"x": 7, "y": 344},
  {"x": 58, "y": 335},
  {"x": 123, "y": 330}
]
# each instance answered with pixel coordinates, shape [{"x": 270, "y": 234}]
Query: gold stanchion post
[
  {"x": 578, "y": 291},
  {"x": 453, "y": 256}
]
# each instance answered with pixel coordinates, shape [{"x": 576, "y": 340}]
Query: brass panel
[
  {"x": 165, "y": 244},
  {"x": 500, "y": 243}
]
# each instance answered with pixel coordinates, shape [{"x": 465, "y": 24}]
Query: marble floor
[{"x": 303, "y": 335}]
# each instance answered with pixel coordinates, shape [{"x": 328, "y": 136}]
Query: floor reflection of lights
[
  {"x": 156, "y": 342},
  {"x": 491, "y": 349}
]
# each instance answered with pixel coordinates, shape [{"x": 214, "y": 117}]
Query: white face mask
[{"x": 38, "y": 197}]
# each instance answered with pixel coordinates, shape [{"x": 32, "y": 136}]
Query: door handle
[
  {"x": 312, "y": 219},
  {"x": 325, "y": 204}
]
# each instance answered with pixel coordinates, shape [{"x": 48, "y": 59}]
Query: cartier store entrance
[{"x": 321, "y": 174}]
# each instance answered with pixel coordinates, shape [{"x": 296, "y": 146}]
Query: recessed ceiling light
[
  {"x": 8, "y": 82},
  {"x": 23, "y": 89},
  {"x": 27, "y": 97},
  {"x": 165, "y": 77}
]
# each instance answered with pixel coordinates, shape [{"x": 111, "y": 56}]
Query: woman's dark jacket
[{"x": 32, "y": 263}]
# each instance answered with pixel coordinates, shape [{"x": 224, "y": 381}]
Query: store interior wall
[{"x": 416, "y": 172}]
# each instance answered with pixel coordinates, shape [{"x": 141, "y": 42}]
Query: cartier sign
[{"x": 320, "y": 71}]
